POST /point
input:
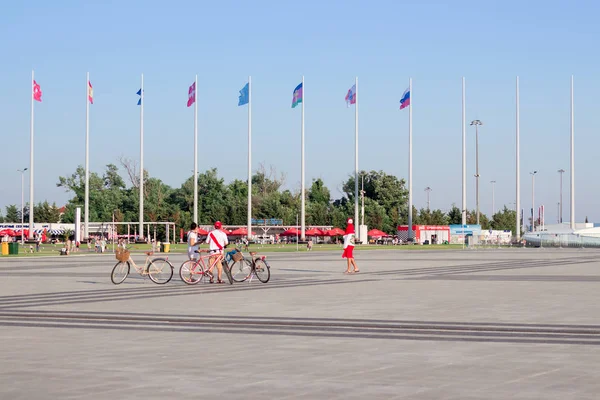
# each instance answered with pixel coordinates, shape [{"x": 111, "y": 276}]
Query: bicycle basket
[
  {"x": 237, "y": 256},
  {"x": 122, "y": 255}
]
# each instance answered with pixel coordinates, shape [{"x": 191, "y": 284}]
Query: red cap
[{"x": 218, "y": 225}]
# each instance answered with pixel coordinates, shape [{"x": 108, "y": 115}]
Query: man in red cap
[
  {"x": 349, "y": 247},
  {"x": 217, "y": 240}
]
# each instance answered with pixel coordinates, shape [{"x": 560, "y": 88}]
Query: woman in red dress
[{"x": 349, "y": 248}]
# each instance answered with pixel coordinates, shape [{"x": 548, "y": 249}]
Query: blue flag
[
  {"x": 244, "y": 95},
  {"x": 139, "y": 93}
]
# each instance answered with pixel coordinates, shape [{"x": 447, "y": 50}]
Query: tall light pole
[
  {"x": 22, "y": 171},
  {"x": 362, "y": 194},
  {"x": 477, "y": 123},
  {"x": 533, "y": 200},
  {"x": 428, "y": 189},
  {"x": 560, "y": 203},
  {"x": 493, "y": 197}
]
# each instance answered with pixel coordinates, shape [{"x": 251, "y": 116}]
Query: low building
[{"x": 430, "y": 234}]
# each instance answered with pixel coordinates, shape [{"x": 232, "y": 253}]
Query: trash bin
[
  {"x": 13, "y": 248},
  {"x": 4, "y": 248},
  {"x": 165, "y": 247}
]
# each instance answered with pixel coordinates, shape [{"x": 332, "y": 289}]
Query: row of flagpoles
[
  {"x": 245, "y": 98},
  {"x": 298, "y": 98}
]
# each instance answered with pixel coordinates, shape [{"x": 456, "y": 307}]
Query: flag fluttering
[
  {"x": 139, "y": 93},
  {"x": 90, "y": 93},
  {"x": 244, "y": 95},
  {"x": 351, "y": 96},
  {"x": 37, "y": 92},
  {"x": 405, "y": 100},
  {"x": 191, "y": 94},
  {"x": 297, "y": 98}
]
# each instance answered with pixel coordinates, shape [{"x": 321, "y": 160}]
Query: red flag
[
  {"x": 37, "y": 92},
  {"x": 191, "y": 94}
]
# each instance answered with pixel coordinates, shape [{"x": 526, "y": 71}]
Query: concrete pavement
[{"x": 473, "y": 324}]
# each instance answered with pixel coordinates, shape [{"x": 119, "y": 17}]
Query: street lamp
[
  {"x": 493, "y": 197},
  {"x": 477, "y": 123},
  {"x": 560, "y": 219},
  {"x": 22, "y": 171},
  {"x": 533, "y": 200},
  {"x": 428, "y": 189}
]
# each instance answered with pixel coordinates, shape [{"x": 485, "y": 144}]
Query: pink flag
[
  {"x": 37, "y": 92},
  {"x": 191, "y": 94}
]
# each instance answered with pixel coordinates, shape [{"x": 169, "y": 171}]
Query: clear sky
[{"x": 329, "y": 42}]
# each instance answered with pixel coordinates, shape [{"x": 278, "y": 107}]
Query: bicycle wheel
[
  {"x": 240, "y": 270},
  {"x": 190, "y": 272},
  {"x": 120, "y": 272},
  {"x": 160, "y": 271},
  {"x": 227, "y": 271},
  {"x": 262, "y": 270}
]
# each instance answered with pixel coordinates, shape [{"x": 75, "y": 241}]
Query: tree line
[{"x": 385, "y": 201}]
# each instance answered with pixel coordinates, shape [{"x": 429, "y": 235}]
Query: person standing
[
  {"x": 192, "y": 240},
  {"x": 217, "y": 241},
  {"x": 349, "y": 248}
]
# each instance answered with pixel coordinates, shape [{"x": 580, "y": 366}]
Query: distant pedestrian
[
  {"x": 309, "y": 245},
  {"x": 349, "y": 248}
]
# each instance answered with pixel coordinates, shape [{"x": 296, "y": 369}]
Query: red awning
[
  {"x": 335, "y": 232},
  {"x": 376, "y": 233}
]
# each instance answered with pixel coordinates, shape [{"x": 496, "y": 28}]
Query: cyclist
[
  {"x": 217, "y": 241},
  {"x": 192, "y": 240}
]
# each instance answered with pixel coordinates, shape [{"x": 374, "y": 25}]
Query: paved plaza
[{"x": 463, "y": 324}]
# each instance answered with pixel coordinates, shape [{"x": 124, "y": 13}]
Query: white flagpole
[
  {"x": 356, "y": 222},
  {"x": 464, "y": 157},
  {"x": 302, "y": 211},
  {"x": 518, "y": 177},
  {"x": 196, "y": 150},
  {"x": 142, "y": 159},
  {"x": 249, "y": 228},
  {"x": 87, "y": 159},
  {"x": 410, "y": 200},
  {"x": 572, "y": 158},
  {"x": 30, "y": 236}
]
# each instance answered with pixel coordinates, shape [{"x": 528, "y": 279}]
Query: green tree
[
  {"x": 12, "y": 214},
  {"x": 504, "y": 220},
  {"x": 318, "y": 192},
  {"x": 44, "y": 212},
  {"x": 455, "y": 216}
]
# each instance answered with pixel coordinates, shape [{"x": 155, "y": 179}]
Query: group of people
[{"x": 217, "y": 241}]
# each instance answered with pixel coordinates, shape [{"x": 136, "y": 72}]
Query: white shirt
[
  {"x": 349, "y": 240},
  {"x": 220, "y": 236},
  {"x": 192, "y": 249}
]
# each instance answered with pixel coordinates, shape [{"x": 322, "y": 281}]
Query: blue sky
[{"x": 329, "y": 42}]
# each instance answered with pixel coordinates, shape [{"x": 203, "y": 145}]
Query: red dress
[{"x": 349, "y": 241}]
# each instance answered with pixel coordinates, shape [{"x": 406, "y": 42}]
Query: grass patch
[{"x": 181, "y": 248}]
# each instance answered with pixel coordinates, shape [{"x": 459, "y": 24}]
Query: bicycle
[
  {"x": 160, "y": 270},
  {"x": 194, "y": 271},
  {"x": 241, "y": 268}
]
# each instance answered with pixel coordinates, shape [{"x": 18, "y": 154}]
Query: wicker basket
[
  {"x": 237, "y": 256},
  {"x": 122, "y": 255}
]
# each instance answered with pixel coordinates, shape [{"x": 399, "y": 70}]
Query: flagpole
[
  {"x": 142, "y": 159},
  {"x": 356, "y": 222},
  {"x": 572, "y": 158},
  {"x": 249, "y": 228},
  {"x": 196, "y": 150},
  {"x": 518, "y": 177},
  {"x": 410, "y": 199},
  {"x": 30, "y": 236},
  {"x": 87, "y": 159},
  {"x": 302, "y": 211},
  {"x": 464, "y": 157}
]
